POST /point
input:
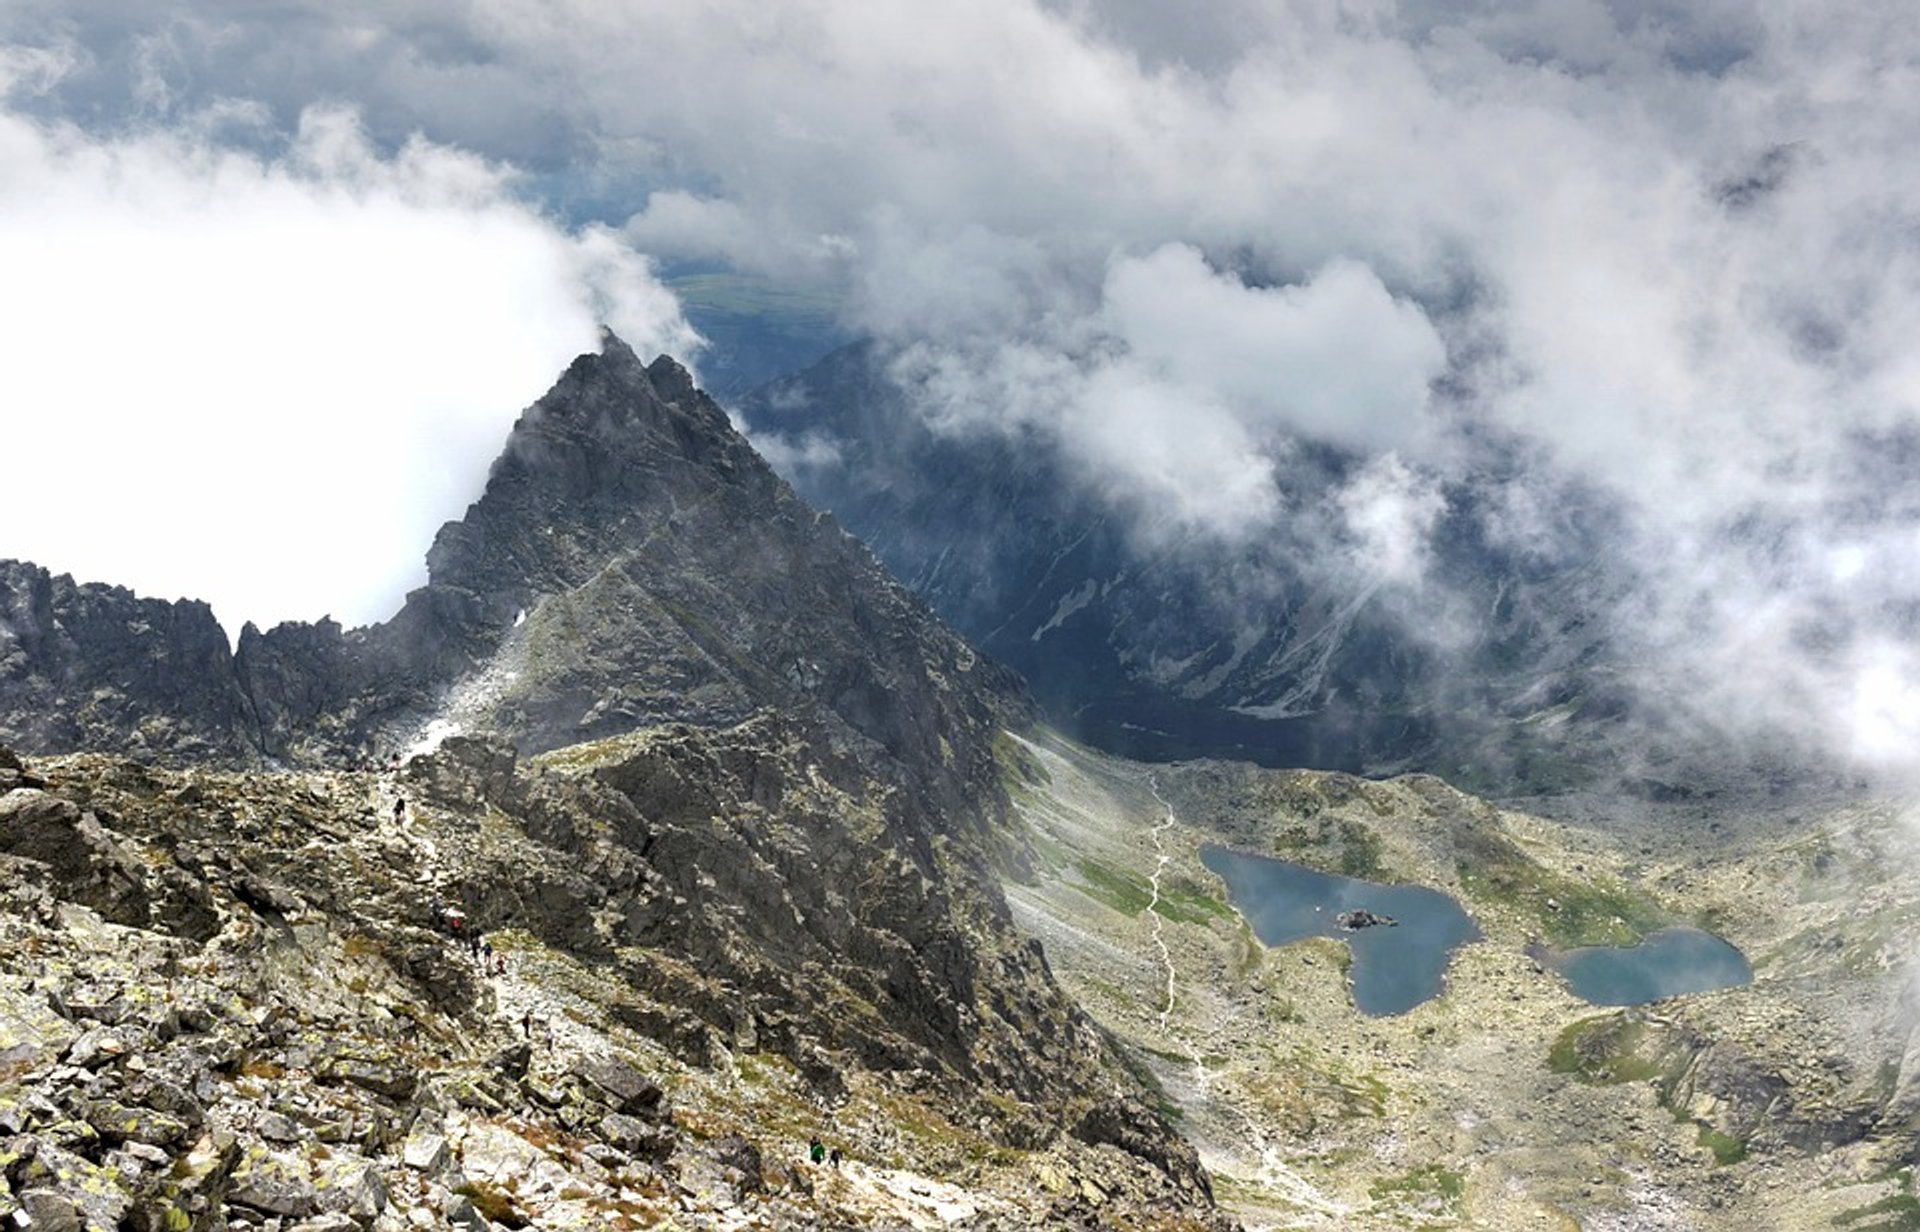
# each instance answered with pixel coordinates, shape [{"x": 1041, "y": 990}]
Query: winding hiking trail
[
  {"x": 1159, "y": 865},
  {"x": 1161, "y": 859},
  {"x": 1274, "y": 1171}
]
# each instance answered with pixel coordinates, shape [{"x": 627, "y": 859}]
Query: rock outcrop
[
  {"x": 232, "y": 1000},
  {"x": 91, "y": 666}
]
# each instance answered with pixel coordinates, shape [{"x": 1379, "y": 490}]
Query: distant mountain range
[{"x": 1177, "y": 649}]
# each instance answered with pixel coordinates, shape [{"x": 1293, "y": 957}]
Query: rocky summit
[{"x": 657, "y": 835}]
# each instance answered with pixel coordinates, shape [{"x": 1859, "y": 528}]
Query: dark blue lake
[
  {"x": 1668, "y": 963},
  {"x": 1394, "y": 968}
]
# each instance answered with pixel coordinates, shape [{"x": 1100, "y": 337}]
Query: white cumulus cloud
[{"x": 265, "y": 381}]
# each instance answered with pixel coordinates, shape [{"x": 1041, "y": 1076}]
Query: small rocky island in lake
[{"x": 1354, "y": 921}]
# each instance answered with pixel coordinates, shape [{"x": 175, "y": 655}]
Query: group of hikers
[
  {"x": 818, "y": 1152},
  {"x": 546, "y": 1030},
  {"x": 477, "y": 943},
  {"x": 480, "y": 946}
]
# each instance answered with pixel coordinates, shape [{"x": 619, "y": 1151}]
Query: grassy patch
[
  {"x": 1365, "y": 1094},
  {"x": 1572, "y": 912},
  {"x": 1017, "y": 763},
  {"x": 1332, "y": 844},
  {"x": 1127, "y": 893},
  {"x": 360, "y": 945},
  {"x": 1186, "y": 903},
  {"x": 1726, "y": 1148},
  {"x": 1603, "y": 1050},
  {"x": 1051, "y": 855},
  {"x": 1434, "y": 1191},
  {"x": 1897, "y": 1212},
  {"x": 1248, "y": 954},
  {"x": 496, "y": 1204}
]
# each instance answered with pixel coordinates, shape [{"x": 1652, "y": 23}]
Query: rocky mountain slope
[
  {"x": 92, "y": 666},
  {"x": 235, "y": 1000},
  {"x": 759, "y": 839},
  {"x": 1505, "y": 1102}
]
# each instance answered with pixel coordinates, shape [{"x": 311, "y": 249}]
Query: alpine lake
[{"x": 1402, "y": 937}]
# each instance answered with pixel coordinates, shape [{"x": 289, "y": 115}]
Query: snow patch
[
  {"x": 1069, "y": 604},
  {"x": 432, "y": 736}
]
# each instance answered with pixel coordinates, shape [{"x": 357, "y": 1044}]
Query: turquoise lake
[
  {"x": 1394, "y": 968},
  {"x": 1669, "y": 963}
]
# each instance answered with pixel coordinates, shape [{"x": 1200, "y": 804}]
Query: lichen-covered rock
[
  {"x": 351, "y": 1186},
  {"x": 273, "y": 1183},
  {"x": 426, "y": 1152},
  {"x": 47, "y": 1211},
  {"x": 380, "y": 1074},
  {"x": 626, "y": 1088}
]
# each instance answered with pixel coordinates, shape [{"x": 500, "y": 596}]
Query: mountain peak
[
  {"x": 671, "y": 380},
  {"x": 669, "y": 377},
  {"x": 613, "y": 346}
]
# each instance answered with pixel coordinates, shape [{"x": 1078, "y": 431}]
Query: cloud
[
  {"x": 1335, "y": 358},
  {"x": 266, "y": 381},
  {"x": 1390, "y": 511},
  {"x": 1658, "y": 252},
  {"x": 1179, "y": 395}
]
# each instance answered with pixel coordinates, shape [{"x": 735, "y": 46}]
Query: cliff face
[{"x": 89, "y": 666}]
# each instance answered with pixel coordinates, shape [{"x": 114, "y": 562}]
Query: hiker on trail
[
  {"x": 526, "y": 1024},
  {"x": 499, "y": 964},
  {"x": 816, "y": 1150},
  {"x": 400, "y": 809},
  {"x": 486, "y": 950},
  {"x": 833, "y": 1157}
]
